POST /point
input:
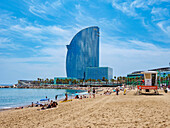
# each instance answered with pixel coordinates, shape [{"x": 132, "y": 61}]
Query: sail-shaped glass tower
[{"x": 83, "y": 52}]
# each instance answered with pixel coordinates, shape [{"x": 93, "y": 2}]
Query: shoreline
[{"x": 27, "y": 105}]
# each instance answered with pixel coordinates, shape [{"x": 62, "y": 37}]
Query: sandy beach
[{"x": 103, "y": 111}]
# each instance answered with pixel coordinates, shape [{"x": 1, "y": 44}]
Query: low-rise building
[{"x": 99, "y": 73}]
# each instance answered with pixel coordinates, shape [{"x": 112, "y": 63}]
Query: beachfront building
[
  {"x": 83, "y": 51},
  {"x": 98, "y": 73},
  {"x": 27, "y": 83},
  {"x": 163, "y": 76}
]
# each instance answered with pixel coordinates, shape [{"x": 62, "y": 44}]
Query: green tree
[
  {"x": 99, "y": 81},
  {"x": 106, "y": 81},
  {"x": 47, "y": 80},
  {"x": 112, "y": 80},
  {"x": 57, "y": 81},
  {"x": 168, "y": 79},
  {"x": 81, "y": 81},
  {"x": 93, "y": 80}
]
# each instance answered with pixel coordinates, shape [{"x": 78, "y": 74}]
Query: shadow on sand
[{"x": 151, "y": 94}]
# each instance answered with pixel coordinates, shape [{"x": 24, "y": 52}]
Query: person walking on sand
[
  {"x": 94, "y": 91},
  {"x": 117, "y": 91},
  {"x": 89, "y": 92}
]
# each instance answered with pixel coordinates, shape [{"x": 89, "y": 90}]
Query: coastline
[{"x": 26, "y": 105}]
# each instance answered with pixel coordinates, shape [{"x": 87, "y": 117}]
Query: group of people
[
  {"x": 93, "y": 92},
  {"x": 52, "y": 104}
]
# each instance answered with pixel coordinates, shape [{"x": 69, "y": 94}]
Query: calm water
[{"x": 13, "y": 97}]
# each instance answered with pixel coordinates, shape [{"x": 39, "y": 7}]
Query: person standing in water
[
  {"x": 66, "y": 97},
  {"x": 56, "y": 97}
]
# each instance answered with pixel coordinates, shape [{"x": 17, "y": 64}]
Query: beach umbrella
[
  {"x": 38, "y": 103},
  {"x": 76, "y": 94},
  {"x": 83, "y": 93},
  {"x": 44, "y": 99}
]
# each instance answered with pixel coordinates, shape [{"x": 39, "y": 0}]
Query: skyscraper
[{"x": 83, "y": 52}]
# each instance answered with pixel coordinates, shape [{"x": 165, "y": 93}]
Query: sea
[{"x": 16, "y": 97}]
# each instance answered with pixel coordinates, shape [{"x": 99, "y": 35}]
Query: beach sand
[{"x": 103, "y": 111}]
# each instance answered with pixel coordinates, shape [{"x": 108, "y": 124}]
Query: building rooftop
[{"x": 160, "y": 69}]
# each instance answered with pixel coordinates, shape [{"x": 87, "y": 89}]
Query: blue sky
[{"x": 134, "y": 35}]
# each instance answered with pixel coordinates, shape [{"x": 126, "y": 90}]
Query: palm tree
[
  {"x": 90, "y": 80},
  {"x": 123, "y": 78},
  {"x": 103, "y": 79},
  {"x": 99, "y": 81},
  {"x": 169, "y": 79},
  {"x": 38, "y": 82},
  {"x": 51, "y": 81},
  {"x": 106, "y": 80},
  {"x": 112, "y": 80},
  {"x": 47, "y": 80},
  {"x": 161, "y": 80},
  {"x": 115, "y": 77},
  {"x": 57, "y": 80},
  {"x": 118, "y": 80},
  {"x": 81, "y": 81},
  {"x": 137, "y": 78},
  {"x": 74, "y": 81},
  {"x": 86, "y": 82}
]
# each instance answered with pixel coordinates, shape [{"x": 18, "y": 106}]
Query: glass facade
[
  {"x": 83, "y": 52},
  {"x": 98, "y": 73}
]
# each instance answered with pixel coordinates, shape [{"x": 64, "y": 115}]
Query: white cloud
[
  {"x": 159, "y": 13},
  {"x": 165, "y": 26},
  {"x": 7, "y": 43},
  {"x": 42, "y": 9},
  {"x": 126, "y": 59}
]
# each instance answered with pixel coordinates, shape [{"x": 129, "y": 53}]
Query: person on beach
[
  {"x": 94, "y": 91},
  {"x": 66, "y": 97},
  {"x": 50, "y": 105},
  {"x": 124, "y": 91},
  {"x": 32, "y": 105},
  {"x": 56, "y": 97},
  {"x": 117, "y": 91},
  {"x": 89, "y": 92},
  {"x": 54, "y": 104}
]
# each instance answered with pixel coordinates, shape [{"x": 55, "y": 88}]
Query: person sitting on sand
[
  {"x": 77, "y": 97},
  {"x": 81, "y": 97},
  {"x": 43, "y": 107},
  {"x": 107, "y": 92},
  {"x": 32, "y": 105},
  {"x": 54, "y": 104}
]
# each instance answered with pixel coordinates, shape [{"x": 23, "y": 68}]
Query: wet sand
[{"x": 103, "y": 111}]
